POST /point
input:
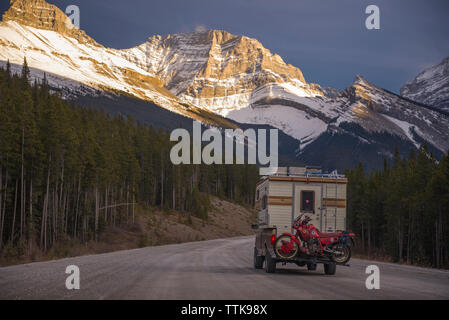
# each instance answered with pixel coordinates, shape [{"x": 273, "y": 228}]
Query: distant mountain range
[{"x": 226, "y": 80}]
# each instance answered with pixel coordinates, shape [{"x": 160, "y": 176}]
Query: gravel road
[{"x": 215, "y": 269}]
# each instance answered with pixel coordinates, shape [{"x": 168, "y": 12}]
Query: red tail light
[{"x": 273, "y": 238}]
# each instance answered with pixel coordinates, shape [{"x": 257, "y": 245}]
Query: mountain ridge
[
  {"x": 215, "y": 69},
  {"x": 431, "y": 86},
  {"x": 42, "y": 15},
  {"x": 38, "y": 31},
  {"x": 223, "y": 80}
]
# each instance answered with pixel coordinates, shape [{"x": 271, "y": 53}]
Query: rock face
[
  {"x": 217, "y": 70},
  {"x": 430, "y": 87},
  {"x": 42, "y": 15}
]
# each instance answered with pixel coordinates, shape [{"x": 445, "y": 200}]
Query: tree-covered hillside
[
  {"x": 68, "y": 171},
  {"x": 403, "y": 211}
]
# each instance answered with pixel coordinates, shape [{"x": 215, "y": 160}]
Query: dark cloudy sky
[{"x": 326, "y": 39}]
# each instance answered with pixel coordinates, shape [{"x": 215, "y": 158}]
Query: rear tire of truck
[
  {"x": 311, "y": 266},
  {"x": 258, "y": 260},
  {"x": 330, "y": 268},
  {"x": 270, "y": 263}
]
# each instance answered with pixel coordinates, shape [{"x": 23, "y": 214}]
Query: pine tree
[{"x": 25, "y": 75}]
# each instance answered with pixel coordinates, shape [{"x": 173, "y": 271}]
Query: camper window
[{"x": 307, "y": 201}]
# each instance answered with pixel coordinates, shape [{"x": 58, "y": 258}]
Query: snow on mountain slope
[
  {"x": 84, "y": 63},
  {"x": 430, "y": 87},
  {"x": 406, "y": 127},
  {"x": 293, "y": 122},
  {"x": 31, "y": 29}
]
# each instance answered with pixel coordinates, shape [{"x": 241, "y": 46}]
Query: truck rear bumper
[{"x": 306, "y": 260}]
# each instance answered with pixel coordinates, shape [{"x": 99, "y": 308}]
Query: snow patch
[
  {"x": 296, "y": 123},
  {"x": 406, "y": 127}
]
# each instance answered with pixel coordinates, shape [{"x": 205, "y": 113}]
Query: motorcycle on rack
[{"x": 309, "y": 241}]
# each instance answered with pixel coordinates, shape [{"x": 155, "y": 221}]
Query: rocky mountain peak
[
  {"x": 360, "y": 90},
  {"x": 219, "y": 36},
  {"x": 431, "y": 86},
  {"x": 218, "y": 70},
  {"x": 42, "y": 15},
  {"x": 360, "y": 80}
]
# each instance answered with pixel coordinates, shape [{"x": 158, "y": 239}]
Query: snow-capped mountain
[
  {"x": 231, "y": 75},
  {"x": 430, "y": 87},
  {"x": 213, "y": 74},
  {"x": 372, "y": 109},
  {"x": 236, "y": 77},
  {"x": 218, "y": 70},
  {"x": 47, "y": 38}
]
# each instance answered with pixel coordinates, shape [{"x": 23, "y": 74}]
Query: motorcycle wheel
[
  {"x": 280, "y": 247},
  {"x": 341, "y": 254}
]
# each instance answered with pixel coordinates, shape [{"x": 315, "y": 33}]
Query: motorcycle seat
[{"x": 328, "y": 234}]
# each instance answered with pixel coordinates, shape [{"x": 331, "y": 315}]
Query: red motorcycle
[{"x": 309, "y": 241}]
